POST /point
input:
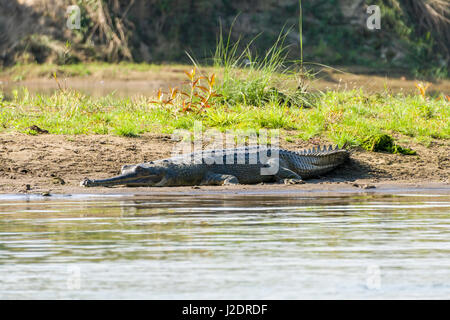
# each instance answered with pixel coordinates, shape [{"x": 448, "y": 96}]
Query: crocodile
[{"x": 243, "y": 165}]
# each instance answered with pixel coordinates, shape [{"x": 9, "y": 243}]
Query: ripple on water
[{"x": 252, "y": 246}]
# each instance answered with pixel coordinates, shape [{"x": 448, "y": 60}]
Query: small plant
[
  {"x": 61, "y": 87},
  {"x": 422, "y": 89},
  {"x": 35, "y": 130},
  {"x": 197, "y": 99},
  {"x": 384, "y": 142}
]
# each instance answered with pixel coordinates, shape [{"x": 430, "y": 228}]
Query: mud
[{"x": 51, "y": 164}]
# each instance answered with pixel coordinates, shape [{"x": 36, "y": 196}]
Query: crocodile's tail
[
  {"x": 324, "y": 151},
  {"x": 319, "y": 160}
]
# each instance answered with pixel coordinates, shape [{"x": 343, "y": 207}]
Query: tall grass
[
  {"x": 252, "y": 79},
  {"x": 247, "y": 76}
]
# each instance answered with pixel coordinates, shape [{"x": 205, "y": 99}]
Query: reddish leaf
[
  {"x": 203, "y": 88},
  {"x": 194, "y": 83}
]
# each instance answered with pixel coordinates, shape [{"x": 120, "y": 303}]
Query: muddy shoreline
[
  {"x": 272, "y": 190},
  {"x": 55, "y": 164}
]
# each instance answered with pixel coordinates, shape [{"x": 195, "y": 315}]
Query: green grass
[{"x": 351, "y": 117}]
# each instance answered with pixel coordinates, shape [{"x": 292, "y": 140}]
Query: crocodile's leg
[
  {"x": 284, "y": 175},
  {"x": 216, "y": 179},
  {"x": 288, "y": 176}
]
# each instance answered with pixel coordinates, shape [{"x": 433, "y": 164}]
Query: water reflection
[{"x": 226, "y": 246}]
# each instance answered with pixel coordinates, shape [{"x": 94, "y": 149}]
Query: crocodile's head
[{"x": 133, "y": 176}]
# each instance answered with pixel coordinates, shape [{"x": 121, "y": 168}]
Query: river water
[{"x": 225, "y": 246}]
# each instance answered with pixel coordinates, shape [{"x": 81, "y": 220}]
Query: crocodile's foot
[
  {"x": 292, "y": 181},
  {"x": 219, "y": 179},
  {"x": 230, "y": 181}
]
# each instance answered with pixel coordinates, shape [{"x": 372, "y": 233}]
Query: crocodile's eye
[{"x": 139, "y": 169}]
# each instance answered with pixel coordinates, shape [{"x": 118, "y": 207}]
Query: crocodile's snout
[{"x": 131, "y": 176}]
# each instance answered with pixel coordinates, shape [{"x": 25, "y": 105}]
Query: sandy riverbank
[{"x": 57, "y": 164}]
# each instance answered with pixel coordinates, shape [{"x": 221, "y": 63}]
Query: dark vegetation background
[{"x": 414, "y": 35}]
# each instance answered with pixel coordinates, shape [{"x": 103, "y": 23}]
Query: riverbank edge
[{"x": 359, "y": 187}]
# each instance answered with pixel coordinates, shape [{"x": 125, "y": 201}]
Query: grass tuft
[
  {"x": 252, "y": 79},
  {"x": 384, "y": 142}
]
